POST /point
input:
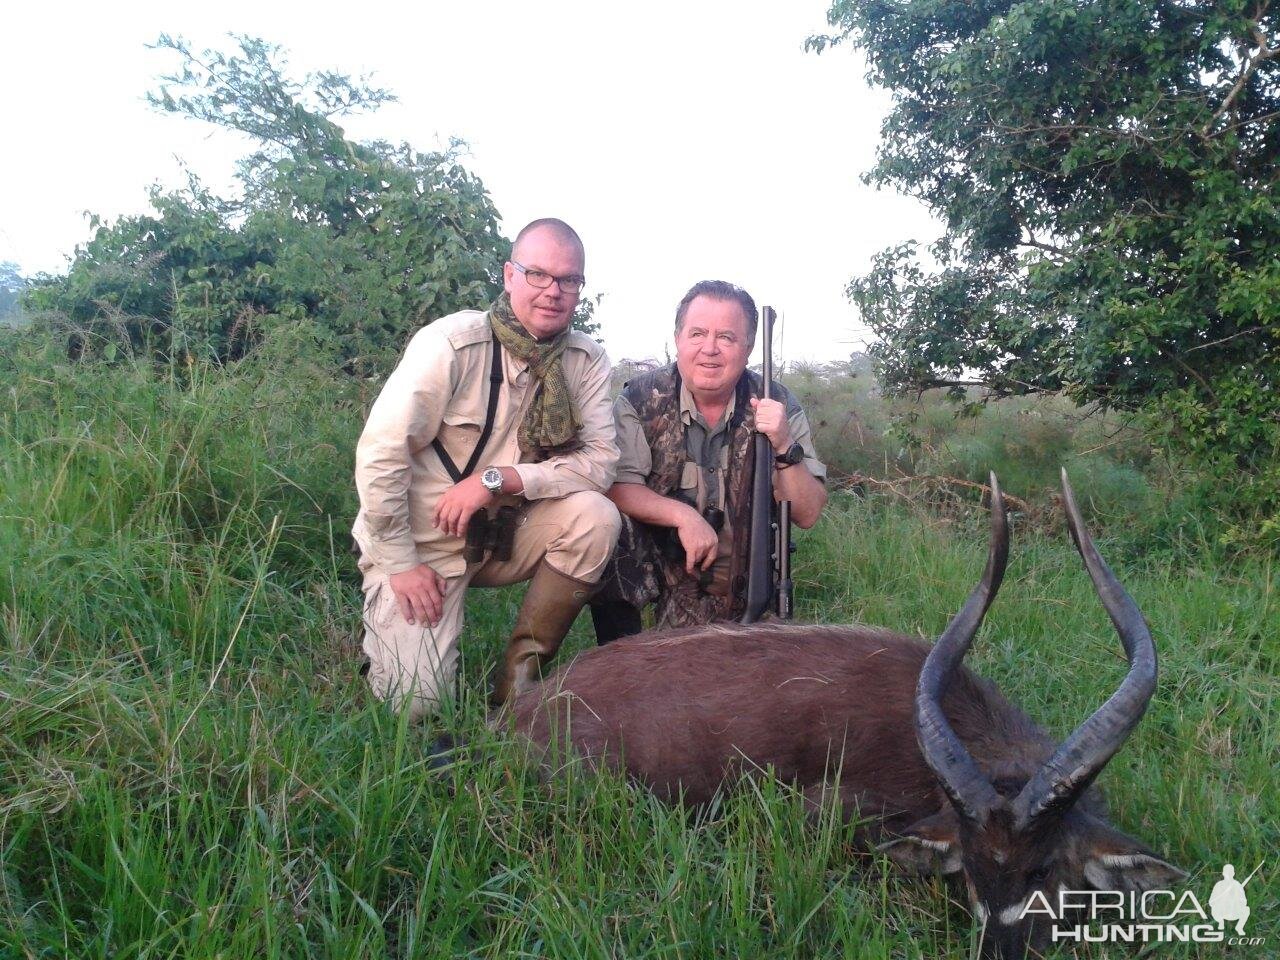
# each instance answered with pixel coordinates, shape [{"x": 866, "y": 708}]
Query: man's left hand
[
  {"x": 459, "y": 503},
  {"x": 771, "y": 420}
]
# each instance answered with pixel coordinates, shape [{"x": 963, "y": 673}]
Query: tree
[
  {"x": 1107, "y": 176},
  {"x": 364, "y": 240}
]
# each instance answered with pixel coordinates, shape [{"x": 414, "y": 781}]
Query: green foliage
[
  {"x": 367, "y": 241},
  {"x": 584, "y": 317},
  {"x": 191, "y": 766},
  {"x": 1107, "y": 175},
  {"x": 862, "y": 434}
]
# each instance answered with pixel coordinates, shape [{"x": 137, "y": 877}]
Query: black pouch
[
  {"x": 504, "y": 532},
  {"x": 493, "y": 536},
  {"x": 479, "y": 533}
]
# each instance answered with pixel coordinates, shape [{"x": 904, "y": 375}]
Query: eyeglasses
[{"x": 571, "y": 284}]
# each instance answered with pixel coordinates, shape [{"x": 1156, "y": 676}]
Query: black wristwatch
[{"x": 794, "y": 454}]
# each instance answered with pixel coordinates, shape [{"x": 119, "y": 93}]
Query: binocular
[
  {"x": 713, "y": 515},
  {"x": 493, "y": 535},
  {"x": 670, "y": 547},
  {"x": 669, "y": 541}
]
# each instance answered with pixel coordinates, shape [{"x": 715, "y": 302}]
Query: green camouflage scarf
[{"x": 551, "y": 424}]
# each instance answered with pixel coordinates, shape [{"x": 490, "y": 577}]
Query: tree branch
[
  {"x": 1031, "y": 241},
  {"x": 1000, "y": 389},
  {"x": 1264, "y": 53},
  {"x": 1206, "y": 346},
  {"x": 1063, "y": 131},
  {"x": 1244, "y": 123}
]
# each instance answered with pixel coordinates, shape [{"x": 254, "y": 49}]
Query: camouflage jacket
[{"x": 646, "y": 567}]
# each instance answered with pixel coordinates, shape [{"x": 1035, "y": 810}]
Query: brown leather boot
[{"x": 550, "y": 606}]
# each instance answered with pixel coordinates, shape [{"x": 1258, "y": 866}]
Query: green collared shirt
[{"x": 706, "y": 448}]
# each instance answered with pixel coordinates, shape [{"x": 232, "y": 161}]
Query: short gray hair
[{"x": 724, "y": 291}]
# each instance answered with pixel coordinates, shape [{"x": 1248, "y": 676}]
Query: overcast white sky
[{"x": 684, "y": 140}]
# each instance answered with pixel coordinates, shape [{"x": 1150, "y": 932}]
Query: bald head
[
  {"x": 546, "y": 254},
  {"x": 548, "y": 227}
]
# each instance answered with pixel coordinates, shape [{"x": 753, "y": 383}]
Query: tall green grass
[
  {"x": 860, "y": 431},
  {"x": 191, "y": 767}
]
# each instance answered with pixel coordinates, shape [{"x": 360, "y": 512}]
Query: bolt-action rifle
[{"x": 769, "y": 547}]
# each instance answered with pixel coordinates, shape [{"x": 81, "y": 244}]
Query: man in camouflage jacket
[{"x": 684, "y": 475}]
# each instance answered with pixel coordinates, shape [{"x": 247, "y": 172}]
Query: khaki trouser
[{"x": 575, "y": 534}]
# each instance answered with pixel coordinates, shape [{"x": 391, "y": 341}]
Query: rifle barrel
[
  {"x": 768, "y": 315},
  {"x": 782, "y": 560},
  {"x": 760, "y": 587}
]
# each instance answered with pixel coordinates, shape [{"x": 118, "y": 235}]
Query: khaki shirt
[{"x": 440, "y": 389}]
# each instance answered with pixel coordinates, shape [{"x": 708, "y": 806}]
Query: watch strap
[{"x": 794, "y": 455}]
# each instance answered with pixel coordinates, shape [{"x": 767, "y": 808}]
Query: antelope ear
[
  {"x": 931, "y": 845},
  {"x": 1115, "y": 861}
]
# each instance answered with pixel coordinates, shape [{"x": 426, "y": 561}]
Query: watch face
[{"x": 492, "y": 478}]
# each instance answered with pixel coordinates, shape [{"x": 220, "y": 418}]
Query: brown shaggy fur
[{"x": 689, "y": 711}]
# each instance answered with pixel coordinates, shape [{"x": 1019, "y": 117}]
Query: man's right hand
[
  {"x": 420, "y": 593},
  {"x": 699, "y": 541}
]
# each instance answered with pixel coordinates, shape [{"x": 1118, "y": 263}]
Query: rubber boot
[{"x": 550, "y": 606}]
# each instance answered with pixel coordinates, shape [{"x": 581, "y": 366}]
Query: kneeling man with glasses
[{"x": 484, "y": 462}]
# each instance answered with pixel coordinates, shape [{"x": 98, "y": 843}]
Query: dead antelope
[{"x": 957, "y": 779}]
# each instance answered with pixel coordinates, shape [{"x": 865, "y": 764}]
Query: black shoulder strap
[{"x": 495, "y": 384}]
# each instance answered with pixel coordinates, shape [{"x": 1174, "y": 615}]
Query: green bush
[
  {"x": 368, "y": 241},
  {"x": 1024, "y": 440},
  {"x": 1170, "y": 505}
]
